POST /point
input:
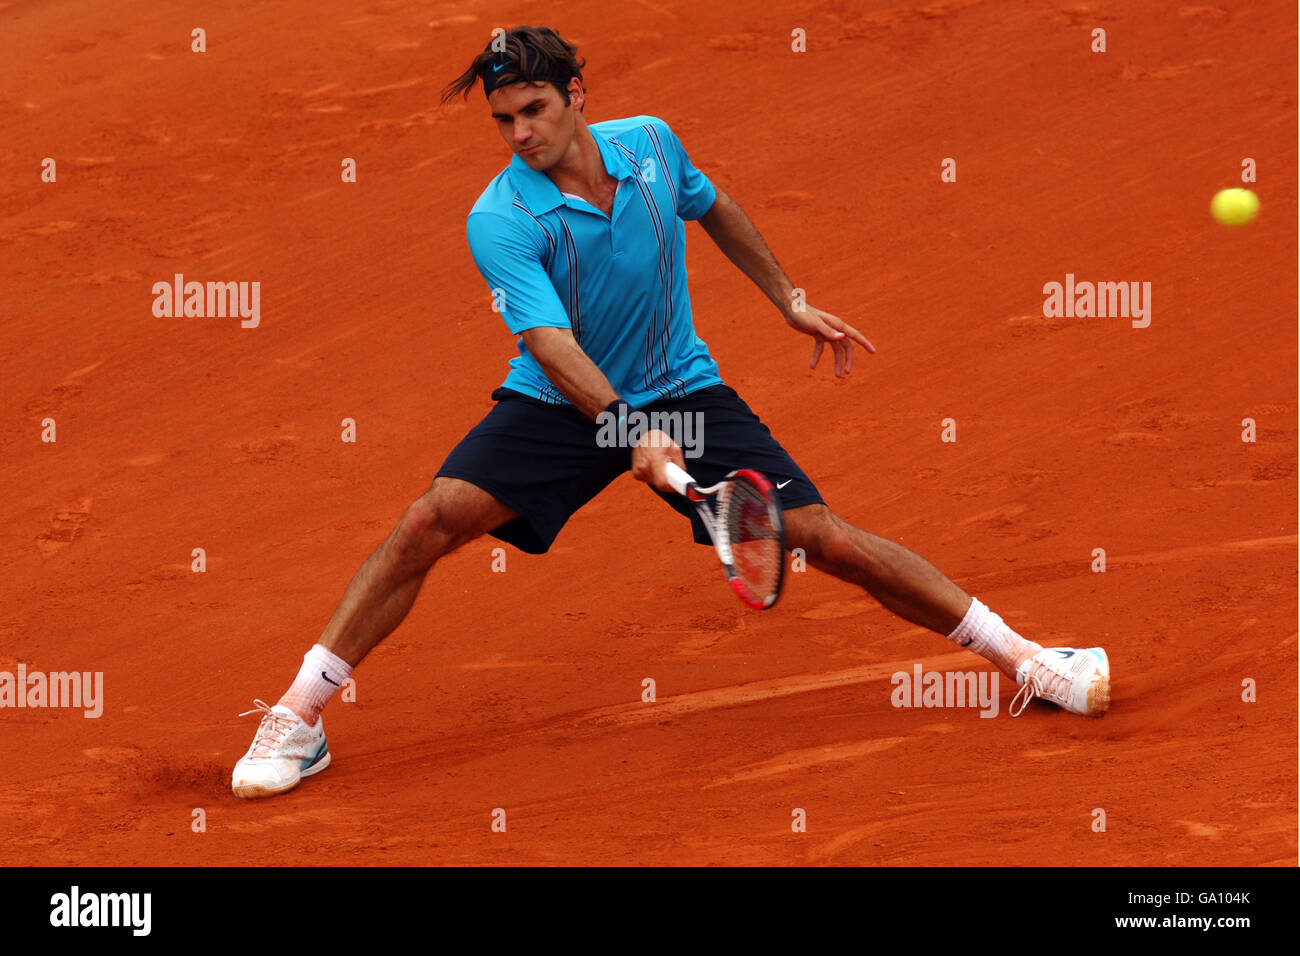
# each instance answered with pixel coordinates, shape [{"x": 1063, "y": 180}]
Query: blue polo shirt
[{"x": 619, "y": 283}]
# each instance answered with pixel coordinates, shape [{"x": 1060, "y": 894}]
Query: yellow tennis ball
[{"x": 1234, "y": 207}]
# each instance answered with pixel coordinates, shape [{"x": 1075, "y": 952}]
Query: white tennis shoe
[
  {"x": 1077, "y": 679},
  {"x": 284, "y": 751}
]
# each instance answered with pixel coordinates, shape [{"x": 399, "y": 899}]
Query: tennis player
[{"x": 581, "y": 239}]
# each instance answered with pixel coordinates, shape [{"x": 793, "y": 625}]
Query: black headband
[{"x": 503, "y": 72}]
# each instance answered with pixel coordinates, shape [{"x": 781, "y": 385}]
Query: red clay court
[{"x": 522, "y": 690}]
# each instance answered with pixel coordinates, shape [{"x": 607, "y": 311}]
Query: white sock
[
  {"x": 322, "y": 673},
  {"x": 988, "y": 635}
]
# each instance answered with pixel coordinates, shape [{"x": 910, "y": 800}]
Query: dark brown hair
[{"x": 530, "y": 54}]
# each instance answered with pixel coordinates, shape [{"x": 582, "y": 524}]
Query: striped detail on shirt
[{"x": 657, "y": 335}]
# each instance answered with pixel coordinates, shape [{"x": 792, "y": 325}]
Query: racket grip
[{"x": 678, "y": 478}]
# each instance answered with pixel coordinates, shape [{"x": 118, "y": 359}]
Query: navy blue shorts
[{"x": 544, "y": 462}]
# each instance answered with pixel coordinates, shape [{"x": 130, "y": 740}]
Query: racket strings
[{"x": 754, "y": 532}]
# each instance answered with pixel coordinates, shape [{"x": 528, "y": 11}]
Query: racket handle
[{"x": 678, "y": 478}]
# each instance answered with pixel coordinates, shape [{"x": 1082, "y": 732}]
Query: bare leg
[
  {"x": 900, "y": 579},
  {"x": 451, "y": 513},
  {"x": 917, "y": 591},
  {"x": 290, "y": 743}
]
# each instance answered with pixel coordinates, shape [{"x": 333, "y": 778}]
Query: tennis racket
[{"x": 743, "y": 517}]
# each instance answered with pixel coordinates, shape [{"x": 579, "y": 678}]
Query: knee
[
  {"x": 811, "y": 530},
  {"x": 836, "y": 548},
  {"x": 423, "y": 533},
  {"x": 826, "y": 541}
]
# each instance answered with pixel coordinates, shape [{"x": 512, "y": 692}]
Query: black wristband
[{"x": 617, "y": 408}]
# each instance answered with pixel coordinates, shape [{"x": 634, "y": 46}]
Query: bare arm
[
  {"x": 570, "y": 369},
  {"x": 582, "y": 382},
  {"x": 740, "y": 241}
]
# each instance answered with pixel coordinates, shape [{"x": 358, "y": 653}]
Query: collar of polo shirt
[{"x": 541, "y": 195}]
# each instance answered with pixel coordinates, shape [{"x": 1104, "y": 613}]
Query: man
[{"x": 581, "y": 239}]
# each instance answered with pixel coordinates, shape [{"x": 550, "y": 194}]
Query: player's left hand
[{"x": 826, "y": 328}]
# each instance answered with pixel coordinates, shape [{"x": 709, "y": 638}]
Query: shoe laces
[
  {"x": 1030, "y": 689},
  {"x": 1056, "y": 688},
  {"x": 271, "y": 731}
]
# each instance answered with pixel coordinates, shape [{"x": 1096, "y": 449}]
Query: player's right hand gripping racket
[{"x": 743, "y": 517}]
